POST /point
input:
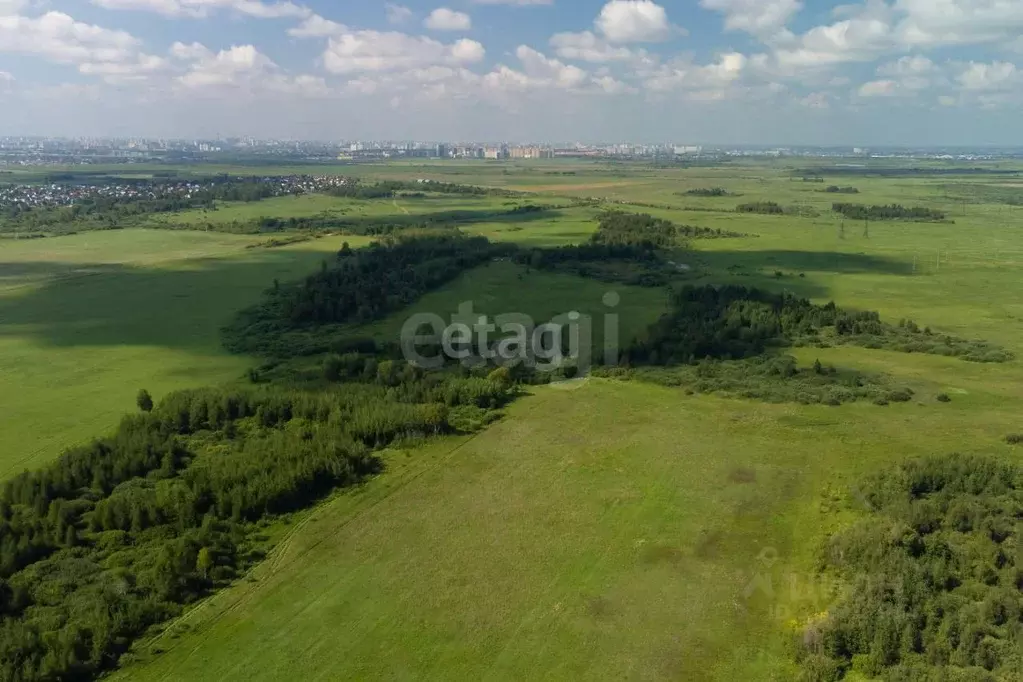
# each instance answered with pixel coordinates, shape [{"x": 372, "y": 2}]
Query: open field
[
  {"x": 87, "y": 320},
  {"x": 608, "y": 532},
  {"x": 503, "y": 288},
  {"x": 600, "y": 530}
]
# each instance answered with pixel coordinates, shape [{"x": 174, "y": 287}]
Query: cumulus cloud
[
  {"x": 954, "y": 22},
  {"x": 369, "y": 51},
  {"x": 227, "y": 67},
  {"x": 764, "y": 18},
  {"x": 57, "y": 37},
  {"x": 681, "y": 74},
  {"x": 316, "y": 26},
  {"x": 633, "y": 21},
  {"x": 994, "y": 76},
  {"x": 587, "y": 47},
  {"x": 444, "y": 19},
  {"x": 203, "y": 8}
]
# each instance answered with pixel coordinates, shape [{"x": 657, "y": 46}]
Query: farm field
[
  {"x": 601, "y": 529},
  {"x": 89, "y": 319}
]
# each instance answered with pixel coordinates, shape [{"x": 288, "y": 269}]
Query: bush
[
  {"x": 1014, "y": 438},
  {"x": 943, "y": 398}
]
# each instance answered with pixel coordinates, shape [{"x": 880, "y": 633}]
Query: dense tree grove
[
  {"x": 763, "y": 207},
  {"x": 648, "y": 233},
  {"x": 390, "y": 188},
  {"x": 361, "y": 286},
  {"x": 117, "y": 535},
  {"x": 734, "y": 322},
  {"x": 708, "y": 192},
  {"x": 934, "y": 575},
  {"x": 835, "y": 189},
  {"x": 891, "y": 212},
  {"x": 386, "y": 224}
]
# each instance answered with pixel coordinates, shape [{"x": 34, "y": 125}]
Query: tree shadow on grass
[
  {"x": 184, "y": 307},
  {"x": 781, "y": 270}
]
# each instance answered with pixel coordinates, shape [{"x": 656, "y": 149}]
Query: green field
[
  {"x": 600, "y": 530},
  {"x": 87, "y": 320}
]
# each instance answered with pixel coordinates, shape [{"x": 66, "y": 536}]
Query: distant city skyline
[{"x": 712, "y": 72}]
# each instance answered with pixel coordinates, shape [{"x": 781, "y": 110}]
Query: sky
[{"x": 809, "y": 72}]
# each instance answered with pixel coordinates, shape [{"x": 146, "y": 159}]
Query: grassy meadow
[
  {"x": 87, "y": 320},
  {"x": 601, "y": 530}
]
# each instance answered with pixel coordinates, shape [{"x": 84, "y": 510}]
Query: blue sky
[{"x": 911, "y": 72}]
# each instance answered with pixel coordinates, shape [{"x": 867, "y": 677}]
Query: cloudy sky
[{"x": 909, "y": 72}]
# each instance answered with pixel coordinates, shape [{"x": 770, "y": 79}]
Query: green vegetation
[
  {"x": 892, "y": 212},
  {"x": 762, "y": 207},
  {"x": 86, "y": 320},
  {"x": 705, "y": 192},
  {"x": 835, "y": 189},
  {"x": 600, "y": 529},
  {"x": 934, "y": 575}
]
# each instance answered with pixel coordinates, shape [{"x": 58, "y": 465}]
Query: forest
[
  {"x": 734, "y": 322},
  {"x": 890, "y": 212},
  {"x": 121, "y": 534},
  {"x": 935, "y": 578},
  {"x": 360, "y": 286}
]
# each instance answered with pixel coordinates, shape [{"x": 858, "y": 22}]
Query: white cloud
[
  {"x": 203, "y": 8},
  {"x": 57, "y": 37},
  {"x": 879, "y": 88},
  {"x": 125, "y": 72},
  {"x": 373, "y": 51},
  {"x": 397, "y": 14},
  {"x": 317, "y": 27},
  {"x": 947, "y": 101},
  {"x": 913, "y": 73},
  {"x": 953, "y": 22},
  {"x": 681, "y": 74},
  {"x": 538, "y": 66},
  {"x": 444, "y": 19},
  {"x": 190, "y": 51},
  {"x": 633, "y": 21},
  {"x": 589, "y": 48},
  {"x": 764, "y": 18},
  {"x": 227, "y": 67},
  {"x": 994, "y": 76}
]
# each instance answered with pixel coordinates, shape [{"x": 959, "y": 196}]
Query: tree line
[
  {"x": 362, "y": 285},
  {"x": 889, "y": 212},
  {"x": 735, "y": 322}
]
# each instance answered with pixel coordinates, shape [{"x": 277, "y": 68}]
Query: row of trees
[
  {"x": 708, "y": 192},
  {"x": 889, "y": 212}
]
